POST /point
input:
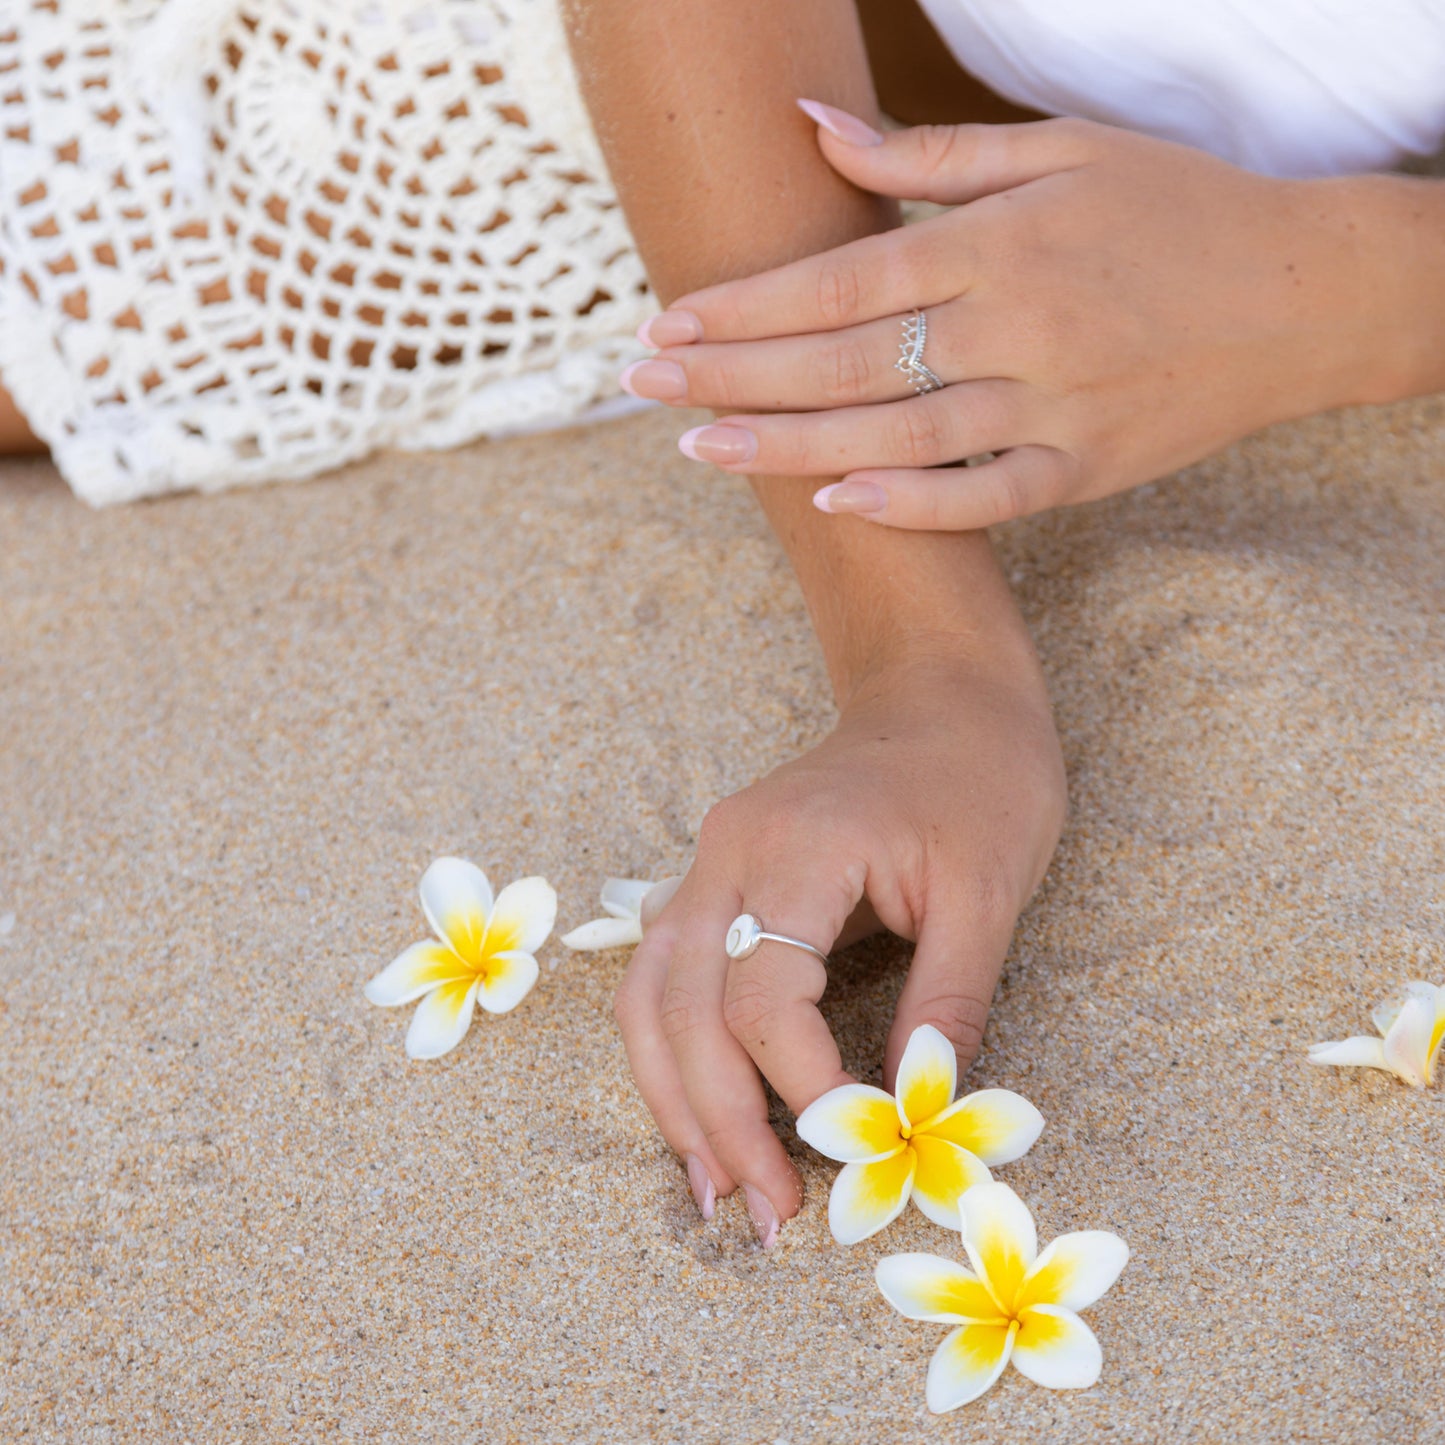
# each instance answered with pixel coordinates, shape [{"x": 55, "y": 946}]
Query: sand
[{"x": 237, "y": 728}]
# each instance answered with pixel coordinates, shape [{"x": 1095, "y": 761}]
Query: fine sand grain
[{"x": 236, "y": 729}]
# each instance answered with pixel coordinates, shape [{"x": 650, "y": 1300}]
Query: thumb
[
  {"x": 948, "y": 164},
  {"x": 950, "y": 984}
]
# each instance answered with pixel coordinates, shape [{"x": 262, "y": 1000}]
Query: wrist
[{"x": 1389, "y": 341}]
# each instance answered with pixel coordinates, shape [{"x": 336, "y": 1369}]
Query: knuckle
[
  {"x": 840, "y": 291},
  {"x": 992, "y": 901},
  {"x": 748, "y": 1006},
  {"x": 847, "y": 372},
  {"x": 959, "y": 1017},
  {"x": 919, "y": 435},
  {"x": 939, "y": 148},
  {"x": 721, "y": 824},
  {"x": 681, "y": 1012},
  {"x": 713, "y": 383}
]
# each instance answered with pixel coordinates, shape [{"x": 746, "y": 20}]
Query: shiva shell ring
[{"x": 746, "y": 934}]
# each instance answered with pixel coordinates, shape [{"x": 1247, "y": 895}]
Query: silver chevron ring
[
  {"x": 746, "y": 934},
  {"x": 921, "y": 377}
]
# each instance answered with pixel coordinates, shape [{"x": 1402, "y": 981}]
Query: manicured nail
[
  {"x": 655, "y": 380},
  {"x": 848, "y": 128},
  {"x": 762, "y": 1214},
  {"x": 703, "y": 1189},
  {"x": 860, "y": 498},
  {"x": 728, "y": 446},
  {"x": 670, "y": 328}
]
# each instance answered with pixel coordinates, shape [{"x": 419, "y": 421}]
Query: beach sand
[{"x": 237, "y": 728}]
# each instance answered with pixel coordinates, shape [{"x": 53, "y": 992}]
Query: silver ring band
[
  {"x": 746, "y": 934},
  {"x": 921, "y": 377}
]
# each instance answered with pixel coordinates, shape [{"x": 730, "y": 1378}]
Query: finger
[
  {"x": 883, "y": 275},
  {"x": 950, "y": 164},
  {"x": 945, "y": 426},
  {"x": 771, "y": 1000},
  {"x": 1022, "y": 481},
  {"x": 718, "y": 1078},
  {"x": 638, "y": 1009},
  {"x": 956, "y": 964},
  {"x": 856, "y": 366}
]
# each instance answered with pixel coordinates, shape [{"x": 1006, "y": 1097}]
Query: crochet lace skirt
[{"x": 243, "y": 240}]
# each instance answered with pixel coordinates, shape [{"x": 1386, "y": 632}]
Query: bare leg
[{"x": 16, "y": 439}]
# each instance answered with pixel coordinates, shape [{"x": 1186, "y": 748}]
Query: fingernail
[
  {"x": 762, "y": 1214},
  {"x": 848, "y": 128},
  {"x": 729, "y": 446},
  {"x": 655, "y": 380},
  {"x": 859, "y": 498},
  {"x": 670, "y": 328},
  {"x": 703, "y": 1189}
]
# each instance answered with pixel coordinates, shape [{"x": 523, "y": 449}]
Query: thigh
[
  {"x": 16, "y": 439},
  {"x": 917, "y": 79}
]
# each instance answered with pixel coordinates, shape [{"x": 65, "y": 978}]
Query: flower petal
[
  {"x": 416, "y": 971},
  {"x": 999, "y": 1235},
  {"x": 622, "y": 897},
  {"x": 1055, "y": 1348},
  {"x": 522, "y": 917},
  {"x": 996, "y": 1124},
  {"x": 868, "y": 1197},
  {"x": 1385, "y": 1014},
  {"x": 854, "y": 1123},
  {"x": 509, "y": 980},
  {"x": 944, "y": 1175},
  {"x": 442, "y": 1019},
  {"x": 1407, "y": 1045},
  {"x": 457, "y": 900},
  {"x": 1074, "y": 1270},
  {"x": 1361, "y": 1051},
  {"x": 968, "y": 1361},
  {"x": 1437, "y": 1036},
  {"x": 615, "y": 932},
  {"x": 928, "y": 1287},
  {"x": 927, "y": 1075}
]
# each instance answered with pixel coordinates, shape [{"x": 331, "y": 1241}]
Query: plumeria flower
[
  {"x": 485, "y": 955},
  {"x": 1411, "y": 1032},
  {"x": 622, "y": 902},
  {"x": 922, "y": 1143},
  {"x": 1014, "y": 1304}
]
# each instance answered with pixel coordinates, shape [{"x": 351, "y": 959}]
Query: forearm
[
  {"x": 1400, "y": 221},
  {"x": 720, "y": 177}
]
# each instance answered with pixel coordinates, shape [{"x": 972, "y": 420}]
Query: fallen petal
[
  {"x": 442, "y": 1019},
  {"x": 509, "y": 980},
  {"x": 522, "y": 916},
  {"x": 1407, "y": 1045},
  {"x": 996, "y": 1124},
  {"x": 968, "y": 1361},
  {"x": 414, "y": 972},
  {"x": 854, "y": 1123},
  {"x": 457, "y": 900},
  {"x": 1055, "y": 1348},
  {"x": 869, "y": 1197},
  {"x": 622, "y": 897},
  {"x": 927, "y": 1075},
  {"x": 1074, "y": 1271},
  {"x": 603, "y": 933},
  {"x": 929, "y": 1287},
  {"x": 1362, "y": 1051}
]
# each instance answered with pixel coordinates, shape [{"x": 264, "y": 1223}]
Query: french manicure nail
[
  {"x": 762, "y": 1214},
  {"x": 728, "y": 446},
  {"x": 703, "y": 1189},
  {"x": 860, "y": 498},
  {"x": 670, "y": 328},
  {"x": 655, "y": 380},
  {"x": 847, "y": 128}
]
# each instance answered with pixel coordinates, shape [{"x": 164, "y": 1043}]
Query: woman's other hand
[{"x": 1102, "y": 307}]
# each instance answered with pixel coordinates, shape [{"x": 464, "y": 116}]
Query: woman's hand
[
  {"x": 936, "y": 804},
  {"x": 1104, "y": 308}
]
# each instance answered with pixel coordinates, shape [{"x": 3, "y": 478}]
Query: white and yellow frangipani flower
[
  {"x": 1411, "y": 1032},
  {"x": 485, "y": 954},
  {"x": 918, "y": 1143},
  {"x": 622, "y": 903},
  {"x": 1013, "y": 1304}
]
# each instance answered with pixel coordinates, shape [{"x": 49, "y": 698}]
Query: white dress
[{"x": 243, "y": 240}]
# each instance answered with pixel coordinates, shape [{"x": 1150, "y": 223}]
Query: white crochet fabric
[{"x": 242, "y": 240}]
